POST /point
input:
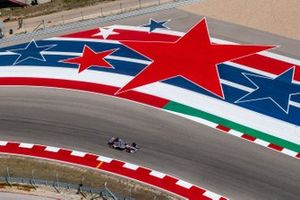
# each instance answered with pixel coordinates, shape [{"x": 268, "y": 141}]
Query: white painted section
[
  {"x": 184, "y": 184},
  {"x": 235, "y": 133},
  {"x": 78, "y": 153},
  {"x": 26, "y": 145},
  {"x": 52, "y": 149},
  {"x": 261, "y": 142},
  {"x": 104, "y": 159},
  {"x": 130, "y": 166},
  {"x": 208, "y": 104},
  {"x": 82, "y": 40},
  {"x": 289, "y": 152},
  {"x": 212, "y": 195},
  {"x": 157, "y": 174},
  {"x": 119, "y": 58},
  {"x": 236, "y": 85},
  {"x": 3, "y": 143},
  {"x": 264, "y": 53},
  {"x": 146, "y": 29}
]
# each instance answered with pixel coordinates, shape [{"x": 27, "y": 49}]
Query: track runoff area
[{"x": 223, "y": 85}]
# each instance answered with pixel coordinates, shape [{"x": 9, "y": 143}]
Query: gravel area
[{"x": 275, "y": 16}]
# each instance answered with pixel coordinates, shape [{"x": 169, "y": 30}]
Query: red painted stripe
[
  {"x": 223, "y": 128},
  {"x": 298, "y": 155},
  {"x": 85, "y": 86},
  {"x": 276, "y": 147},
  {"x": 248, "y": 137},
  {"x": 267, "y": 64}
]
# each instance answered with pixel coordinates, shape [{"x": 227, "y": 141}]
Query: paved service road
[{"x": 201, "y": 155}]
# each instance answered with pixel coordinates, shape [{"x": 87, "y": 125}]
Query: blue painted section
[{"x": 280, "y": 89}]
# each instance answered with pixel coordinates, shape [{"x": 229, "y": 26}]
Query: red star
[
  {"x": 90, "y": 58},
  {"x": 192, "y": 57}
]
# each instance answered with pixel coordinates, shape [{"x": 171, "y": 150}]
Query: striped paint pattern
[{"x": 128, "y": 170}]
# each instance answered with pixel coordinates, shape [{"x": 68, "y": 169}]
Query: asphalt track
[
  {"x": 198, "y": 154},
  {"x": 201, "y": 155}
]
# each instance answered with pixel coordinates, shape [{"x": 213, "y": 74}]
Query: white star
[{"x": 105, "y": 32}]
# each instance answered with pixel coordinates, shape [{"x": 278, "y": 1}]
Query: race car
[{"x": 119, "y": 144}]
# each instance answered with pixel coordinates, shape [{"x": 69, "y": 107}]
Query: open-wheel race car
[{"x": 119, "y": 144}]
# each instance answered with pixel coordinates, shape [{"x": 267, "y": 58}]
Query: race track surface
[{"x": 198, "y": 154}]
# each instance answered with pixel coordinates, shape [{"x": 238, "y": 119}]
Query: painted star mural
[
  {"x": 90, "y": 58},
  {"x": 105, "y": 32},
  {"x": 31, "y": 51},
  {"x": 153, "y": 24},
  {"x": 192, "y": 57},
  {"x": 279, "y": 89}
]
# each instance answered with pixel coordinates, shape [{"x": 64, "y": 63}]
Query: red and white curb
[
  {"x": 258, "y": 141},
  {"x": 128, "y": 170},
  {"x": 241, "y": 135}
]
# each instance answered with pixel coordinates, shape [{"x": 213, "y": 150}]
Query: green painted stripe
[{"x": 177, "y": 107}]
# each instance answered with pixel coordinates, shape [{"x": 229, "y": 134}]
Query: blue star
[
  {"x": 31, "y": 51},
  {"x": 155, "y": 24},
  {"x": 279, "y": 90}
]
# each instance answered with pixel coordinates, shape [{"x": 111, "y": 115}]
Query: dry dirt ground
[
  {"x": 47, "y": 8},
  {"x": 280, "y": 17}
]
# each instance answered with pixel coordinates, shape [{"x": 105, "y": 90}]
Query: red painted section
[
  {"x": 248, "y": 137},
  {"x": 223, "y": 128},
  {"x": 298, "y": 155},
  {"x": 267, "y": 64},
  {"x": 255, "y": 61},
  {"x": 276, "y": 147},
  {"x": 116, "y": 167},
  {"x": 184, "y": 52},
  {"x": 85, "y": 86}
]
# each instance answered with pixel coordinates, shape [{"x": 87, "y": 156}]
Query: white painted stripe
[
  {"x": 130, "y": 166},
  {"x": 235, "y": 133},
  {"x": 119, "y": 58},
  {"x": 207, "y": 104},
  {"x": 184, "y": 184},
  {"x": 3, "y": 143},
  {"x": 52, "y": 149},
  {"x": 104, "y": 159},
  {"x": 236, "y": 85},
  {"x": 253, "y": 70},
  {"x": 129, "y": 59},
  {"x": 289, "y": 152},
  {"x": 26, "y": 145},
  {"x": 264, "y": 53},
  {"x": 212, "y": 195},
  {"x": 261, "y": 142},
  {"x": 60, "y": 53},
  {"x": 82, "y": 40},
  {"x": 6, "y": 53},
  {"x": 146, "y": 29},
  {"x": 280, "y": 57},
  {"x": 78, "y": 153},
  {"x": 157, "y": 174}
]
